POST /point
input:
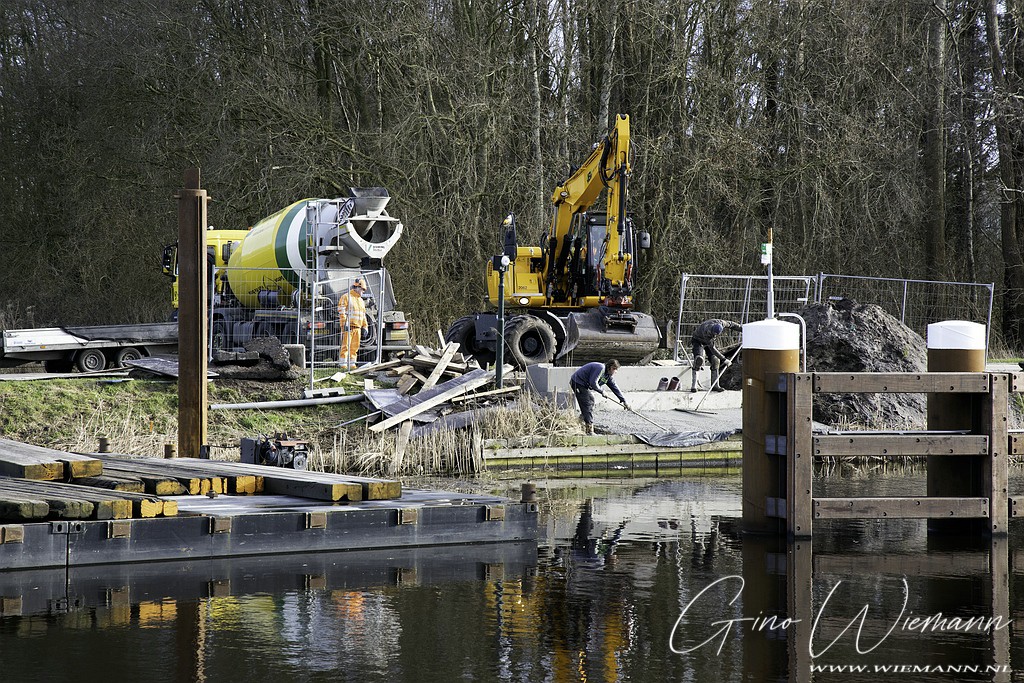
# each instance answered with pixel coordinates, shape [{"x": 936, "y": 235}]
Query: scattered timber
[{"x": 25, "y": 461}]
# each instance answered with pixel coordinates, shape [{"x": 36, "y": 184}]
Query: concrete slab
[{"x": 639, "y": 384}]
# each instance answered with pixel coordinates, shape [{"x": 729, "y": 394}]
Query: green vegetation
[{"x": 140, "y": 416}]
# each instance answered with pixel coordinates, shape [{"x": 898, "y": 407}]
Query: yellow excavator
[{"x": 573, "y": 295}]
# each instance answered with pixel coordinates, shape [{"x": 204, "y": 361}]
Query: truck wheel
[
  {"x": 127, "y": 353},
  {"x": 91, "y": 360},
  {"x": 221, "y": 337},
  {"x": 529, "y": 340},
  {"x": 463, "y": 331}
]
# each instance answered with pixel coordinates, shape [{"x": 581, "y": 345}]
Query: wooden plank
[
  {"x": 112, "y": 482},
  {"x": 60, "y": 504},
  {"x": 406, "y": 384},
  {"x": 901, "y": 508},
  {"x": 446, "y": 358},
  {"x": 22, "y": 509},
  {"x": 108, "y": 504},
  {"x": 464, "y": 384},
  {"x": 903, "y": 445},
  {"x": 315, "y": 490},
  {"x": 372, "y": 488},
  {"x": 77, "y": 465},
  {"x": 154, "y": 484},
  {"x": 995, "y": 473},
  {"x": 376, "y": 367},
  {"x": 799, "y": 459},
  {"x": 26, "y": 461},
  {"x": 901, "y": 382},
  {"x": 402, "y": 439},
  {"x": 485, "y": 394},
  {"x": 196, "y": 482}
]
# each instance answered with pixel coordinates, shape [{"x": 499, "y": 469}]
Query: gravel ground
[{"x": 611, "y": 418}]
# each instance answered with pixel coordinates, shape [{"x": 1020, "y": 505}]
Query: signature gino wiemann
[{"x": 904, "y": 621}]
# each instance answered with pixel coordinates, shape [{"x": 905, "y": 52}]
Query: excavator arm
[{"x": 572, "y": 256}]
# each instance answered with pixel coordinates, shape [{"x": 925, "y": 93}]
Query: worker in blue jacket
[{"x": 592, "y": 377}]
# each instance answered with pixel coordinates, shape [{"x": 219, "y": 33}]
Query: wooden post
[
  {"x": 192, "y": 324},
  {"x": 769, "y": 347},
  {"x": 955, "y": 346}
]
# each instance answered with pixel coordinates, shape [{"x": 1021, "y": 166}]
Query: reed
[{"x": 446, "y": 451}]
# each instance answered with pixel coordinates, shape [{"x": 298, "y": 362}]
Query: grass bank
[{"x": 140, "y": 416}]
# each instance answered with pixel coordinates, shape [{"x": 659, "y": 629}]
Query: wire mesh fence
[
  {"x": 916, "y": 303},
  {"x": 250, "y": 303},
  {"x": 743, "y": 298},
  {"x": 740, "y": 298}
]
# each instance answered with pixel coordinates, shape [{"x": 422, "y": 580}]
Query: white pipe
[{"x": 297, "y": 403}]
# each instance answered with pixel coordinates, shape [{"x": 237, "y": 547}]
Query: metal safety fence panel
[
  {"x": 743, "y": 298},
  {"x": 739, "y": 298},
  {"x": 296, "y": 308},
  {"x": 916, "y": 303}
]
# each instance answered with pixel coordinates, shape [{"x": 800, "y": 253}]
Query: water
[{"x": 624, "y": 572}]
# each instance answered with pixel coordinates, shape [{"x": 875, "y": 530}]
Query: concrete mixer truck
[{"x": 282, "y": 277}]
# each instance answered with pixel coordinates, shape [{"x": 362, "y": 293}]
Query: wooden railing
[{"x": 980, "y": 443}]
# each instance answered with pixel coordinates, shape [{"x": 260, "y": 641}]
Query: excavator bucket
[{"x": 600, "y": 335}]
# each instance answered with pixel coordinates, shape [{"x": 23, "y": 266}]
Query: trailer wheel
[
  {"x": 529, "y": 340},
  {"x": 463, "y": 331},
  {"x": 91, "y": 360},
  {"x": 127, "y": 353}
]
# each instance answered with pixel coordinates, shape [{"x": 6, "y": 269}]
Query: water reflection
[{"x": 627, "y": 581}]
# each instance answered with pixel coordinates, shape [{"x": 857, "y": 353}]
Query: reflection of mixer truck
[
  {"x": 283, "y": 276},
  {"x": 265, "y": 277}
]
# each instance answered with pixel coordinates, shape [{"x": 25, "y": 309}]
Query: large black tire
[
  {"x": 529, "y": 341},
  {"x": 91, "y": 360},
  {"x": 463, "y": 332},
  {"x": 127, "y": 353},
  {"x": 221, "y": 336}
]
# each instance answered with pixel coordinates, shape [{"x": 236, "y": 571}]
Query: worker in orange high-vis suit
[{"x": 352, "y": 317}]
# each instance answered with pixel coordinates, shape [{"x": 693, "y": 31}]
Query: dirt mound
[
  {"x": 265, "y": 359},
  {"x": 845, "y": 336}
]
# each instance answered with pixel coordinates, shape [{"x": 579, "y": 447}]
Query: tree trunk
[
  {"x": 1009, "y": 175},
  {"x": 934, "y": 143}
]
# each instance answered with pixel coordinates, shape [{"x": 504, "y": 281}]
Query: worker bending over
[
  {"x": 591, "y": 377},
  {"x": 352, "y": 318},
  {"x": 703, "y": 342}
]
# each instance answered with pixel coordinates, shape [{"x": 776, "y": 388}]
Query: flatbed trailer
[{"x": 93, "y": 348}]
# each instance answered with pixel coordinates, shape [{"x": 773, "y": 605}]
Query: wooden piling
[
  {"x": 192, "y": 323},
  {"x": 770, "y": 347},
  {"x": 955, "y": 346}
]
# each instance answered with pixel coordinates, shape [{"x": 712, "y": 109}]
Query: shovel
[
  {"x": 642, "y": 417},
  {"x": 336, "y": 377},
  {"x": 696, "y": 409}
]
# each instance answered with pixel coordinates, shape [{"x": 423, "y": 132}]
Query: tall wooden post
[
  {"x": 955, "y": 346},
  {"x": 769, "y": 347},
  {"x": 192, "y": 325}
]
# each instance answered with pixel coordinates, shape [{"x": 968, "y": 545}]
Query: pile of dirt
[
  {"x": 845, "y": 336},
  {"x": 265, "y": 358}
]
